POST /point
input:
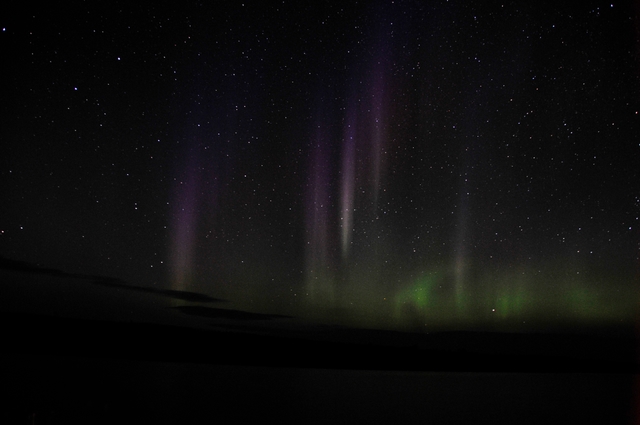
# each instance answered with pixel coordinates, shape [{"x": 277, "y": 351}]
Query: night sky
[{"x": 385, "y": 164}]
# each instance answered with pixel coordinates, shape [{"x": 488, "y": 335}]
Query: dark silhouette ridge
[
  {"x": 69, "y": 370},
  {"x": 171, "y": 293},
  {"x": 221, "y": 313},
  {"x": 25, "y": 267},
  {"x": 32, "y": 334}
]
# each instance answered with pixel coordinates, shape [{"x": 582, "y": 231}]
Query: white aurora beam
[{"x": 348, "y": 188}]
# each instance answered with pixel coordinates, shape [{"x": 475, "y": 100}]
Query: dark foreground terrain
[{"x": 61, "y": 370}]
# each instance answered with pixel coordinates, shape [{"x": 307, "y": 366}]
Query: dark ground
[{"x": 82, "y": 371}]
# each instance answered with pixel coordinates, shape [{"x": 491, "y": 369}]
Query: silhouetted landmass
[
  {"x": 190, "y": 296},
  {"x": 63, "y": 370},
  {"x": 222, "y": 313},
  {"x": 24, "y": 267},
  {"x": 171, "y": 293},
  {"x": 447, "y": 351}
]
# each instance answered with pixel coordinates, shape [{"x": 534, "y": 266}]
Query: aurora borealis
[{"x": 403, "y": 165}]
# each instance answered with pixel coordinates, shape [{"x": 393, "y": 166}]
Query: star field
[{"x": 389, "y": 164}]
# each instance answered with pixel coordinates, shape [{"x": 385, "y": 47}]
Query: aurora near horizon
[{"x": 390, "y": 165}]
